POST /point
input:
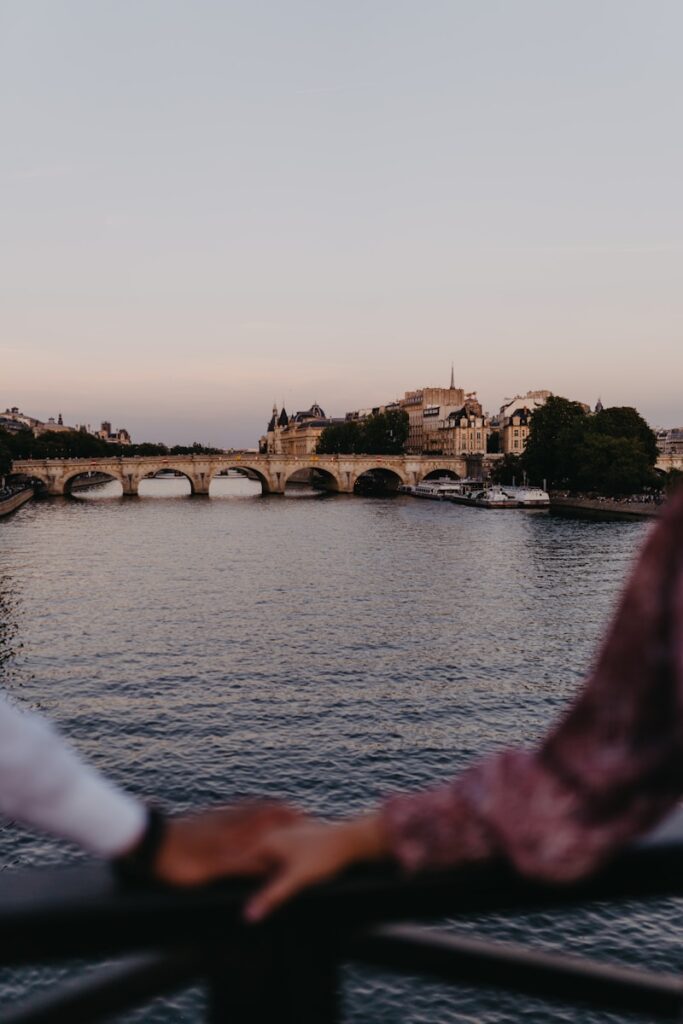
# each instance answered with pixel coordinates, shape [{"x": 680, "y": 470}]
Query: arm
[
  {"x": 45, "y": 785},
  {"x": 611, "y": 768}
]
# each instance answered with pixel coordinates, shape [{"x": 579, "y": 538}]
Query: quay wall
[
  {"x": 596, "y": 508},
  {"x": 15, "y": 502}
]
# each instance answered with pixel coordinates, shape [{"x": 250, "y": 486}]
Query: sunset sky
[{"x": 208, "y": 206}]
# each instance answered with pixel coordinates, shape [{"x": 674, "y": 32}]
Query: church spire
[{"x": 452, "y": 376}]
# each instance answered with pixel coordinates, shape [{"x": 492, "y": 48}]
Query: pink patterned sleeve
[{"x": 610, "y": 769}]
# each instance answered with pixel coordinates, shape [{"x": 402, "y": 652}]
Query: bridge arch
[
  {"x": 39, "y": 481},
  {"x": 378, "y": 480},
  {"x": 244, "y": 469},
  {"x": 318, "y": 476},
  {"x": 435, "y": 474},
  {"x": 92, "y": 478},
  {"x": 162, "y": 472}
]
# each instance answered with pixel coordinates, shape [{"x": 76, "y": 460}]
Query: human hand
[
  {"x": 304, "y": 852},
  {"x": 214, "y": 843}
]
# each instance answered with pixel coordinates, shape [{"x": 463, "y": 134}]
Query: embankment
[
  {"x": 603, "y": 508},
  {"x": 15, "y": 501}
]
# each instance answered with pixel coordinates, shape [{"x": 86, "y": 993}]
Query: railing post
[{"x": 283, "y": 977}]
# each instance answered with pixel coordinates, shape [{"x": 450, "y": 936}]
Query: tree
[
  {"x": 674, "y": 480},
  {"x": 613, "y": 465},
  {"x": 5, "y": 461},
  {"x": 382, "y": 433},
  {"x": 555, "y": 432},
  {"x": 625, "y": 421},
  {"x": 508, "y": 469},
  {"x": 493, "y": 443},
  {"x": 339, "y": 439}
]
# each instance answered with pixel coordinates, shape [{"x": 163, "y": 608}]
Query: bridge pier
[
  {"x": 200, "y": 485},
  {"x": 130, "y": 485}
]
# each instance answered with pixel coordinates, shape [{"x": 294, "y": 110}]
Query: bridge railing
[{"x": 287, "y": 970}]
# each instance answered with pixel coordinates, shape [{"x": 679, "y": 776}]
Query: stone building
[
  {"x": 514, "y": 419},
  {"x": 670, "y": 447},
  {"x": 464, "y": 431},
  {"x": 363, "y": 414},
  {"x": 428, "y": 409},
  {"x": 118, "y": 436},
  {"x": 297, "y": 434},
  {"x": 14, "y": 420}
]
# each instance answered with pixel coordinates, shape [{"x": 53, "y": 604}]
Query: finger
[{"x": 277, "y": 892}]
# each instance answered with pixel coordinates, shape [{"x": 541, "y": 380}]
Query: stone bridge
[{"x": 335, "y": 472}]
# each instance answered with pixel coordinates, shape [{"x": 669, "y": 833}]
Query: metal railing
[{"x": 287, "y": 970}]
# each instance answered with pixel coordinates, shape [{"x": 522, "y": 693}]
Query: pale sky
[{"x": 208, "y": 205}]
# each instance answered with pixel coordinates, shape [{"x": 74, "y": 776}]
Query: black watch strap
[{"x": 138, "y": 864}]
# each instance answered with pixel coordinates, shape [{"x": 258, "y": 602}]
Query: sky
[{"x": 207, "y": 206}]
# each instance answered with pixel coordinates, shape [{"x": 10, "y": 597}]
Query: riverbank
[
  {"x": 15, "y": 501},
  {"x": 603, "y": 508}
]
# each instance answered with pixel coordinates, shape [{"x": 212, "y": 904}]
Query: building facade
[
  {"x": 465, "y": 431},
  {"x": 428, "y": 409},
  {"x": 514, "y": 420},
  {"x": 118, "y": 436},
  {"x": 297, "y": 434}
]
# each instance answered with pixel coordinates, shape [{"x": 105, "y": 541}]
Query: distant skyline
[{"x": 207, "y": 207}]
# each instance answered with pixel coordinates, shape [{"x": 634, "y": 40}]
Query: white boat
[
  {"x": 439, "y": 490},
  {"x": 492, "y": 497},
  {"x": 529, "y": 497},
  {"x": 497, "y": 496}
]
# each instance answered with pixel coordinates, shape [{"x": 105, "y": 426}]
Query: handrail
[{"x": 290, "y": 962}]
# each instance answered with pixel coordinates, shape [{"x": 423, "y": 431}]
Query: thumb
[{"x": 272, "y": 895}]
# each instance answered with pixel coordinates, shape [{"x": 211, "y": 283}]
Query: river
[{"x": 323, "y": 649}]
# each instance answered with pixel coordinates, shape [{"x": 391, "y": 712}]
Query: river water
[{"x": 326, "y": 650}]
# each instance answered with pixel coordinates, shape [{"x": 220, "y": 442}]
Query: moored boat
[
  {"x": 496, "y": 496},
  {"x": 530, "y": 497},
  {"x": 439, "y": 490}
]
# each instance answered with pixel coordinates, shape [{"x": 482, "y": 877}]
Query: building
[
  {"x": 444, "y": 421},
  {"x": 358, "y": 415},
  {"x": 670, "y": 441},
  {"x": 514, "y": 419},
  {"x": 52, "y": 427},
  {"x": 118, "y": 436},
  {"x": 13, "y": 421},
  {"x": 294, "y": 435},
  {"x": 427, "y": 409},
  {"x": 464, "y": 431}
]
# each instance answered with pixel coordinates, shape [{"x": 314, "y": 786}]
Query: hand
[
  {"x": 305, "y": 852},
  {"x": 211, "y": 844}
]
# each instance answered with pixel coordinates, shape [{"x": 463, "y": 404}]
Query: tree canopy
[
  {"x": 554, "y": 433},
  {"x": 382, "y": 433},
  {"x": 612, "y": 452},
  {"x": 5, "y": 459},
  {"x": 77, "y": 444}
]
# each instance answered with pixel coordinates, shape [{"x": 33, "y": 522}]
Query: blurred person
[
  {"x": 45, "y": 785},
  {"x": 609, "y": 770}
]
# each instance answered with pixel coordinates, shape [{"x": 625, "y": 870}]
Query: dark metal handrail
[{"x": 286, "y": 970}]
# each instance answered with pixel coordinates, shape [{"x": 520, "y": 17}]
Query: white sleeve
[{"x": 44, "y": 784}]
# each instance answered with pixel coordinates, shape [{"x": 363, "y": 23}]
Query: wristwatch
[{"x": 138, "y": 864}]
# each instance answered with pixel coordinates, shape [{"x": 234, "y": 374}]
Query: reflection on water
[
  {"x": 233, "y": 486},
  {"x": 325, "y": 651}
]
